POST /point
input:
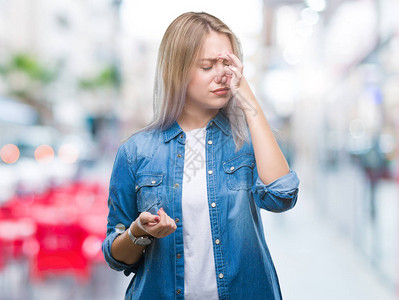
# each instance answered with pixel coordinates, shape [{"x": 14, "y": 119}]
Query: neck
[{"x": 189, "y": 119}]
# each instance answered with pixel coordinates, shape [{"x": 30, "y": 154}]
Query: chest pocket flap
[
  {"x": 148, "y": 180},
  {"x": 239, "y": 171}
]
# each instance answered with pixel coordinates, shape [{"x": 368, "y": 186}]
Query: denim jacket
[{"x": 148, "y": 175}]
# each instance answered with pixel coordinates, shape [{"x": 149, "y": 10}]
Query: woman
[{"x": 189, "y": 187}]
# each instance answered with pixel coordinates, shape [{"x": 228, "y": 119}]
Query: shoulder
[{"x": 142, "y": 143}]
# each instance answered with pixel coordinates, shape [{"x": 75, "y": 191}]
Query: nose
[{"x": 220, "y": 73}]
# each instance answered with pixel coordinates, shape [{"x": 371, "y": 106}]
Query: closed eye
[{"x": 226, "y": 63}]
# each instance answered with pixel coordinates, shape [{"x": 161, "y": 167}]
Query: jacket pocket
[
  {"x": 148, "y": 192},
  {"x": 239, "y": 171}
]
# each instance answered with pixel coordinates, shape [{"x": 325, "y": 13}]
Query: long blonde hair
[{"x": 178, "y": 51}]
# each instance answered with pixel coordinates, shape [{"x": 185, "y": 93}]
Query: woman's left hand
[
  {"x": 237, "y": 83},
  {"x": 234, "y": 70}
]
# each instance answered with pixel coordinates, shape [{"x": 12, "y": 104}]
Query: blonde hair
[{"x": 178, "y": 51}]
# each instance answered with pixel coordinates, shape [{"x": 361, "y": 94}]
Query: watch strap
[{"x": 134, "y": 239}]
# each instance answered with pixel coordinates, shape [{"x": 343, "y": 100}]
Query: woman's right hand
[{"x": 157, "y": 226}]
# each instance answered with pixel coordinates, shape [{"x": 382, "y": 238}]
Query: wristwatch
[{"x": 141, "y": 240}]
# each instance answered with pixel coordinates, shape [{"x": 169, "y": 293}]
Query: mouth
[{"x": 221, "y": 91}]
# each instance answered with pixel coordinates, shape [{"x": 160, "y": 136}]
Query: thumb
[{"x": 146, "y": 217}]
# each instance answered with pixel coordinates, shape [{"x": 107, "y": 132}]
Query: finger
[
  {"x": 168, "y": 226},
  {"x": 228, "y": 82},
  {"x": 235, "y": 59},
  {"x": 151, "y": 224},
  {"x": 146, "y": 217},
  {"x": 236, "y": 71},
  {"x": 167, "y": 220},
  {"x": 174, "y": 225},
  {"x": 163, "y": 222},
  {"x": 225, "y": 57},
  {"x": 231, "y": 58},
  {"x": 165, "y": 231},
  {"x": 233, "y": 77},
  {"x": 165, "y": 226},
  {"x": 171, "y": 229},
  {"x": 228, "y": 71},
  {"x": 162, "y": 211},
  {"x": 162, "y": 214}
]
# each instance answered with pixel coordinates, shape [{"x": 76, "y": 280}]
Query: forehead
[{"x": 214, "y": 44}]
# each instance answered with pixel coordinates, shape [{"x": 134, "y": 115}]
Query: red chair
[{"x": 60, "y": 252}]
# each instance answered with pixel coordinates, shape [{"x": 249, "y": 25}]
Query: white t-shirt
[{"x": 199, "y": 265}]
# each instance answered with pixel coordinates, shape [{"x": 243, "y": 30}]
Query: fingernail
[
  {"x": 162, "y": 209},
  {"x": 156, "y": 219}
]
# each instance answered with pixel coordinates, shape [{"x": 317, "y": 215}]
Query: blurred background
[{"x": 76, "y": 78}]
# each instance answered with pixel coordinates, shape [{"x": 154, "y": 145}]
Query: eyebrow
[
  {"x": 207, "y": 59},
  {"x": 211, "y": 59}
]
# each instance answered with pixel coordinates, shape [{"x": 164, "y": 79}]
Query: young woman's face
[{"x": 206, "y": 90}]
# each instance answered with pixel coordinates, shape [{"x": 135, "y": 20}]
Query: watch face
[{"x": 143, "y": 241}]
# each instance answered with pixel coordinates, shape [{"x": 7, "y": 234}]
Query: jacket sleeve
[
  {"x": 122, "y": 207},
  {"x": 278, "y": 196}
]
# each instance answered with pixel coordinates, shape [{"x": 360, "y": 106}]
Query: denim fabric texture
[{"x": 148, "y": 174}]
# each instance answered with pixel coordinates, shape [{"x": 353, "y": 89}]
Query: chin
[
  {"x": 216, "y": 107},
  {"x": 219, "y": 102}
]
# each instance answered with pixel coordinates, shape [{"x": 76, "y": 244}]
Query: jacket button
[
  {"x": 178, "y": 291},
  {"x": 221, "y": 275},
  {"x": 210, "y": 142},
  {"x": 178, "y": 256},
  {"x": 178, "y": 155},
  {"x": 210, "y": 172},
  {"x": 213, "y": 204},
  {"x": 177, "y": 220},
  {"x": 181, "y": 136},
  {"x": 232, "y": 168},
  {"x": 176, "y": 185},
  {"x": 217, "y": 241},
  {"x": 153, "y": 182}
]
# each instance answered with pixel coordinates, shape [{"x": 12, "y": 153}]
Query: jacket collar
[
  {"x": 220, "y": 120},
  {"x": 172, "y": 131}
]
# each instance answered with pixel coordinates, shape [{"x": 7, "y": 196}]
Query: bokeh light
[
  {"x": 68, "y": 153},
  {"x": 317, "y": 5},
  {"x": 44, "y": 154},
  {"x": 91, "y": 246},
  {"x": 9, "y": 153}
]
